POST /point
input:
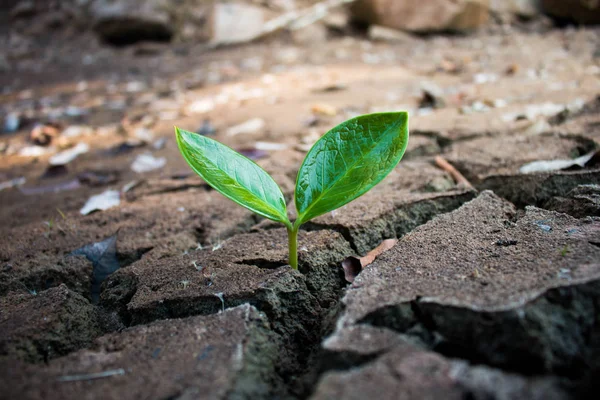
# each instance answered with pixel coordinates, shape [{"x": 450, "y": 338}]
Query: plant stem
[{"x": 293, "y": 245}]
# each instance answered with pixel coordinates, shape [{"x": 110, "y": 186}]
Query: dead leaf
[
  {"x": 558, "y": 165},
  {"x": 65, "y": 157},
  {"x": 100, "y": 202},
  {"x": 147, "y": 162},
  {"x": 353, "y": 266}
]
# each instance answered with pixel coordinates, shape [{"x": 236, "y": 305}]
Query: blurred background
[{"x": 91, "y": 89}]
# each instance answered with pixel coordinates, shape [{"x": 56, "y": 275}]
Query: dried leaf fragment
[{"x": 353, "y": 266}]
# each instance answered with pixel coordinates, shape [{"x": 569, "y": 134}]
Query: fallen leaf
[
  {"x": 130, "y": 185},
  {"x": 65, "y": 157},
  {"x": 103, "y": 256},
  {"x": 102, "y": 201},
  {"x": 557, "y": 165},
  {"x": 147, "y": 162},
  {"x": 353, "y": 266}
]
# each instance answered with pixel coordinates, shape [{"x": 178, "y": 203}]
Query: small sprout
[
  {"x": 185, "y": 284},
  {"x": 343, "y": 164},
  {"x": 565, "y": 250}
]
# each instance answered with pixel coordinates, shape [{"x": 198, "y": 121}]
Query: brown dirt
[
  {"x": 476, "y": 298},
  {"x": 218, "y": 356}
]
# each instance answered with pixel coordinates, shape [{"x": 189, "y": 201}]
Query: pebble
[
  {"x": 253, "y": 125},
  {"x": 201, "y": 106},
  {"x": 324, "y": 109},
  {"x": 12, "y": 121},
  {"x": 147, "y": 162}
]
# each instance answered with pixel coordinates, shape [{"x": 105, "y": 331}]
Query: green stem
[{"x": 293, "y": 245}]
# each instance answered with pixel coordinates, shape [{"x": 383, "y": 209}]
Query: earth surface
[{"x": 174, "y": 292}]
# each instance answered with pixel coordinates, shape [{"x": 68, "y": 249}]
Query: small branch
[
  {"x": 460, "y": 180},
  {"x": 88, "y": 377}
]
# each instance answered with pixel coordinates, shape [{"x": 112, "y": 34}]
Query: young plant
[{"x": 344, "y": 164}]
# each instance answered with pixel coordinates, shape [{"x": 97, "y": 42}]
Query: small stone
[
  {"x": 324, "y": 109},
  {"x": 147, "y": 162},
  {"x": 251, "y": 126}
]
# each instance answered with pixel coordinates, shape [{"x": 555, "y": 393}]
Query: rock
[
  {"x": 486, "y": 156},
  {"x": 245, "y": 268},
  {"x": 579, "y": 11},
  {"x": 147, "y": 162},
  {"x": 394, "y": 207},
  {"x": 41, "y": 326},
  {"x": 39, "y": 254},
  {"x": 370, "y": 362},
  {"x": 381, "y": 33},
  {"x": 229, "y": 355},
  {"x": 12, "y": 122},
  {"x": 236, "y": 23},
  {"x": 252, "y": 126},
  {"x": 526, "y": 308},
  {"x": 423, "y": 15},
  {"x": 123, "y": 22},
  {"x": 493, "y": 163},
  {"x": 310, "y": 35},
  {"x": 537, "y": 189},
  {"x": 520, "y": 8},
  {"x": 582, "y": 201}
]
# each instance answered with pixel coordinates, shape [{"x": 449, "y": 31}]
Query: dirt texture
[
  {"x": 394, "y": 367},
  {"x": 223, "y": 356},
  {"x": 41, "y": 326},
  {"x": 175, "y": 292},
  {"x": 517, "y": 291}
]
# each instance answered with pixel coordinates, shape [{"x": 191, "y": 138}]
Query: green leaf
[
  {"x": 348, "y": 161},
  {"x": 233, "y": 175}
]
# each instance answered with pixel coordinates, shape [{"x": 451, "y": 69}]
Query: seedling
[{"x": 342, "y": 165}]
